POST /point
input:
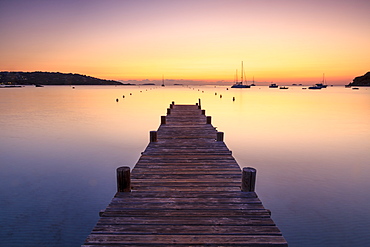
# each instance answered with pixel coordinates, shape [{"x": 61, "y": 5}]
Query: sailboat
[
  {"x": 162, "y": 81},
  {"x": 240, "y": 84},
  {"x": 322, "y": 84},
  {"x": 252, "y": 85},
  {"x": 319, "y": 85}
]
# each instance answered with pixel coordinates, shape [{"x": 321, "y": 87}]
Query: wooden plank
[
  {"x": 200, "y": 195},
  {"x": 190, "y": 220},
  {"x": 245, "y": 240},
  {"x": 191, "y": 204},
  {"x": 255, "y": 213},
  {"x": 124, "y": 229},
  {"x": 189, "y": 177},
  {"x": 184, "y": 201},
  {"x": 183, "y": 188}
]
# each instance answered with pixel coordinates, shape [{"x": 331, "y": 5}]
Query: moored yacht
[
  {"x": 273, "y": 85},
  {"x": 240, "y": 84}
]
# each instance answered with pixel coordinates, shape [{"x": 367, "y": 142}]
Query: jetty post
[
  {"x": 153, "y": 136},
  {"x": 220, "y": 136},
  {"x": 123, "y": 179},
  {"x": 163, "y": 119},
  {"x": 249, "y": 179}
]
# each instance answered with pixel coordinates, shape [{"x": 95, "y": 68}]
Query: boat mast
[
  {"x": 323, "y": 79},
  {"x": 162, "y": 80},
  {"x": 241, "y": 78}
]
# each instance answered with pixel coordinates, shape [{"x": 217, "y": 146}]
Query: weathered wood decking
[{"x": 186, "y": 192}]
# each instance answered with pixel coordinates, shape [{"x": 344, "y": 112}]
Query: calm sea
[{"x": 59, "y": 148}]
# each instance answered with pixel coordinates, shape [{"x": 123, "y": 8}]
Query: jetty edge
[{"x": 185, "y": 190}]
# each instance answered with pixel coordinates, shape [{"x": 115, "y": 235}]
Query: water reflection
[{"x": 60, "y": 146}]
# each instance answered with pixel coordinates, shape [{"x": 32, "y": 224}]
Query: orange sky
[{"x": 281, "y": 41}]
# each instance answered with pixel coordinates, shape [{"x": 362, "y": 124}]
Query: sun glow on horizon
[{"x": 283, "y": 40}]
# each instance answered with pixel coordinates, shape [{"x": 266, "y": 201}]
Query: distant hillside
[
  {"x": 51, "y": 78},
  {"x": 361, "y": 81}
]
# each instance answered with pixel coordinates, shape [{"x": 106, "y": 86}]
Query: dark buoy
[
  {"x": 233, "y": 98},
  {"x": 117, "y": 100},
  {"x": 130, "y": 93},
  {"x": 220, "y": 95},
  {"x": 123, "y": 96},
  {"x": 215, "y": 93}
]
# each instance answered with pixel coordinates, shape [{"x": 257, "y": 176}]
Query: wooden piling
[
  {"x": 248, "y": 179},
  {"x": 153, "y": 136},
  {"x": 209, "y": 120},
  {"x": 163, "y": 119},
  {"x": 220, "y": 136},
  {"x": 123, "y": 179}
]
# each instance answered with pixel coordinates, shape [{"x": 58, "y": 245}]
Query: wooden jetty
[{"x": 185, "y": 190}]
